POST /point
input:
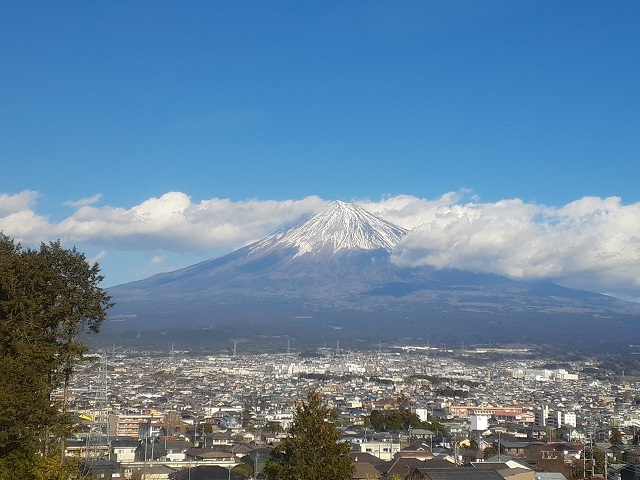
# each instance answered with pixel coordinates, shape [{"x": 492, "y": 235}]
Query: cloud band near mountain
[{"x": 591, "y": 243}]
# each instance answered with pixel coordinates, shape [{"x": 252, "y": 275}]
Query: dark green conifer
[
  {"x": 313, "y": 449},
  {"x": 48, "y": 297}
]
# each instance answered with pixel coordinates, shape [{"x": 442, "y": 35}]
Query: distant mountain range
[{"x": 330, "y": 278}]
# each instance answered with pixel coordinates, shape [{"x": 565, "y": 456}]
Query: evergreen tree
[
  {"x": 313, "y": 449},
  {"x": 400, "y": 420},
  {"x": 48, "y": 297},
  {"x": 490, "y": 451},
  {"x": 616, "y": 437}
]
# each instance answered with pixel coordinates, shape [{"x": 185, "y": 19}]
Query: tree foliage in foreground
[
  {"x": 48, "y": 297},
  {"x": 313, "y": 449}
]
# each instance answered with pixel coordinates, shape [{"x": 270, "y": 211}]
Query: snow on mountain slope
[
  {"x": 343, "y": 226},
  {"x": 333, "y": 273}
]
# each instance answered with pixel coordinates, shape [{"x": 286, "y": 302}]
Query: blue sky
[{"x": 250, "y": 113}]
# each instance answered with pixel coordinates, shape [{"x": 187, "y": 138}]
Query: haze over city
[{"x": 503, "y": 135}]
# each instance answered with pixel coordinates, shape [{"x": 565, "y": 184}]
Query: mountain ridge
[{"x": 335, "y": 269}]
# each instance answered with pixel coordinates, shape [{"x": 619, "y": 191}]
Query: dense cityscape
[{"x": 176, "y": 413}]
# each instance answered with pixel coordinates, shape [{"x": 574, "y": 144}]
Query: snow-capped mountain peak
[{"x": 343, "y": 226}]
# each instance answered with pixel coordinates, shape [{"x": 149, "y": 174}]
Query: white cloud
[
  {"x": 84, "y": 201},
  {"x": 172, "y": 222},
  {"x": 101, "y": 255},
  {"x": 591, "y": 243},
  {"x": 21, "y": 202},
  {"x": 410, "y": 212},
  {"x": 17, "y": 218}
]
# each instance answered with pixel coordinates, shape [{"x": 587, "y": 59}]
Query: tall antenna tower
[
  {"x": 591, "y": 460},
  {"x": 235, "y": 350},
  {"x": 99, "y": 431},
  {"x": 588, "y": 462}
]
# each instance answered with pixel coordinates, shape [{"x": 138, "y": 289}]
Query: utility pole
[
  {"x": 255, "y": 467},
  {"x": 99, "y": 429},
  {"x": 456, "y": 452}
]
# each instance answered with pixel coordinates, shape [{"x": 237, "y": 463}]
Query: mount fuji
[{"x": 332, "y": 276}]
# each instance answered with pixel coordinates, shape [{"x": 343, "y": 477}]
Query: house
[
  {"x": 630, "y": 472},
  {"x": 381, "y": 449},
  {"x": 569, "y": 451},
  {"x": 230, "y": 423},
  {"x": 472, "y": 455},
  {"x": 364, "y": 457},
  {"x": 549, "y": 476},
  {"x": 244, "y": 437},
  {"x": 517, "y": 474},
  {"x": 400, "y": 466},
  {"x": 75, "y": 447},
  {"x": 150, "y": 450},
  {"x": 211, "y": 455},
  {"x": 123, "y": 449},
  {"x": 537, "y": 450},
  {"x": 175, "y": 448},
  {"x": 514, "y": 448},
  {"x": 101, "y": 469},
  {"x": 207, "y": 472},
  {"x": 239, "y": 449},
  {"x": 365, "y": 471},
  {"x": 501, "y": 464},
  {"x": 152, "y": 472},
  {"x": 631, "y": 455},
  {"x": 461, "y": 473},
  {"x": 421, "y": 433},
  {"x": 79, "y": 448},
  {"x": 269, "y": 438},
  {"x": 220, "y": 439},
  {"x": 481, "y": 442},
  {"x": 417, "y": 450}
]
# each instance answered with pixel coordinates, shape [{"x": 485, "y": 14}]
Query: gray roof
[
  {"x": 125, "y": 442},
  {"x": 550, "y": 476},
  {"x": 422, "y": 431},
  {"x": 460, "y": 473}
]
